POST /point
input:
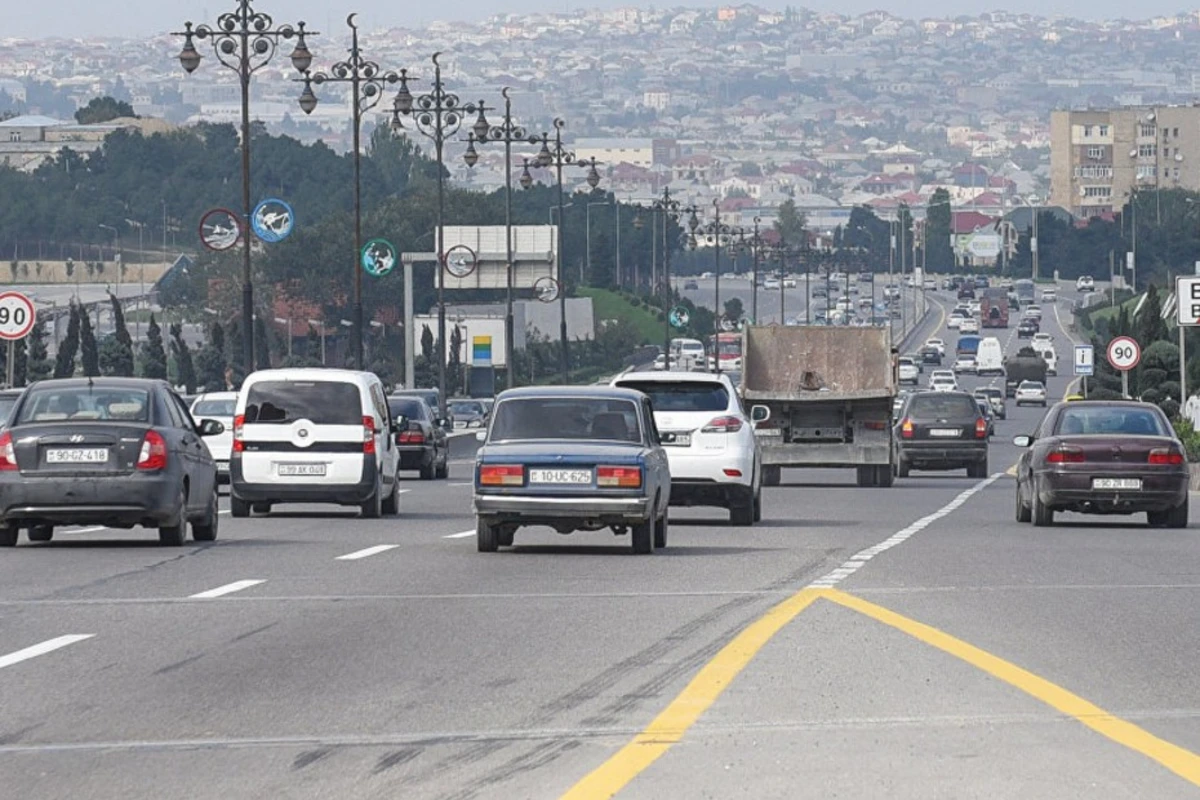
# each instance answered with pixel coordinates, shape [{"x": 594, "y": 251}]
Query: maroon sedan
[{"x": 1103, "y": 457}]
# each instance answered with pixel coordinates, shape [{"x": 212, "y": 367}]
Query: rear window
[
  {"x": 1143, "y": 421},
  {"x": 412, "y": 409},
  {"x": 943, "y": 406},
  {"x": 214, "y": 408},
  {"x": 85, "y": 404},
  {"x": 320, "y": 402},
  {"x": 683, "y": 396},
  {"x": 582, "y": 418},
  {"x": 6, "y": 407}
]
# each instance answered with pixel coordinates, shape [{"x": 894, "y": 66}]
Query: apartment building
[{"x": 1099, "y": 158}]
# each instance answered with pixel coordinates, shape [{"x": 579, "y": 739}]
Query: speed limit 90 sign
[
  {"x": 1124, "y": 353},
  {"x": 17, "y": 316}
]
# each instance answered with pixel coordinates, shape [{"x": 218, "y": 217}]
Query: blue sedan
[{"x": 572, "y": 458}]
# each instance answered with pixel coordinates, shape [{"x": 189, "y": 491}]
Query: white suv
[
  {"x": 313, "y": 436},
  {"x": 907, "y": 370},
  {"x": 711, "y": 448},
  {"x": 218, "y": 406}
]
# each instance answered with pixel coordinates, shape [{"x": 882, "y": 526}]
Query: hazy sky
[{"x": 43, "y": 18}]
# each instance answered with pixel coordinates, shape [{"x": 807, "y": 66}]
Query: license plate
[
  {"x": 295, "y": 470},
  {"x": 677, "y": 439},
  {"x": 1117, "y": 484},
  {"x": 77, "y": 455},
  {"x": 945, "y": 433},
  {"x": 579, "y": 476}
]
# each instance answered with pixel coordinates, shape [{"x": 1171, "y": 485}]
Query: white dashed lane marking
[
  {"x": 228, "y": 588},
  {"x": 367, "y": 552},
  {"x": 48, "y": 646},
  {"x": 462, "y": 535}
]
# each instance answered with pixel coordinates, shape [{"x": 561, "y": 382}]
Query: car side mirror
[
  {"x": 399, "y": 423},
  {"x": 759, "y": 414},
  {"x": 481, "y": 436},
  {"x": 445, "y": 423},
  {"x": 211, "y": 427},
  {"x": 1022, "y": 441}
]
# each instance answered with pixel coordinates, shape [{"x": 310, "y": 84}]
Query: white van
[
  {"x": 989, "y": 359},
  {"x": 690, "y": 353},
  {"x": 1050, "y": 357},
  {"x": 313, "y": 436}
]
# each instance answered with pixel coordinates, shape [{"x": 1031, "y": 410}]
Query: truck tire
[
  {"x": 902, "y": 468},
  {"x": 771, "y": 476},
  {"x": 884, "y": 476},
  {"x": 866, "y": 477}
]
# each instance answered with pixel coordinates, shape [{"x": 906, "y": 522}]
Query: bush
[
  {"x": 636, "y": 302},
  {"x": 1190, "y": 438}
]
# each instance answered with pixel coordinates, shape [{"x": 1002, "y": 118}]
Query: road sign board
[
  {"x": 378, "y": 257},
  {"x": 272, "y": 220},
  {"x": 1187, "y": 298},
  {"x": 220, "y": 229},
  {"x": 17, "y": 316},
  {"x": 1085, "y": 359},
  {"x": 546, "y": 289},
  {"x": 679, "y": 317},
  {"x": 1124, "y": 353}
]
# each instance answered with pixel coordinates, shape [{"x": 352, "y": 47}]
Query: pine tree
[
  {"x": 68, "y": 348},
  {"x": 210, "y": 360},
  {"x": 89, "y": 354},
  {"x": 154, "y": 357},
  {"x": 37, "y": 362},
  {"x": 454, "y": 361},
  {"x": 183, "y": 359},
  {"x": 123, "y": 350},
  {"x": 20, "y": 361},
  {"x": 312, "y": 347}
]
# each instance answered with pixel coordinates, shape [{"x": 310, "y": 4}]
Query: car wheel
[
  {"x": 977, "y": 470},
  {"x": 41, "y": 533},
  {"x": 8, "y": 535},
  {"x": 238, "y": 507},
  {"x": 902, "y": 468},
  {"x": 174, "y": 533},
  {"x": 1176, "y": 517},
  {"x": 1040, "y": 514},
  {"x": 372, "y": 507},
  {"x": 391, "y": 503},
  {"x": 206, "y": 529},
  {"x": 506, "y": 534},
  {"x": 1023, "y": 512},
  {"x": 261, "y": 508},
  {"x": 486, "y": 537},
  {"x": 660, "y": 531},
  {"x": 741, "y": 510},
  {"x": 771, "y": 476},
  {"x": 884, "y": 477},
  {"x": 758, "y": 506},
  {"x": 428, "y": 472},
  {"x": 641, "y": 536},
  {"x": 444, "y": 470}
]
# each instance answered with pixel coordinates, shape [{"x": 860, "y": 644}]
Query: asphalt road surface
[{"x": 912, "y": 642}]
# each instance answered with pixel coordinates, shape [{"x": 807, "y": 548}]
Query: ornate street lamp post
[
  {"x": 718, "y": 235},
  {"x": 245, "y": 41},
  {"x": 438, "y": 115},
  {"x": 670, "y": 208},
  {"x": 366, "y": 89}
]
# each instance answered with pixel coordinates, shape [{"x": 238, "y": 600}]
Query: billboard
[{"x": 534, "y": 255}]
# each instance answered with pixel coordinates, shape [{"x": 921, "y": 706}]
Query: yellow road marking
[
  {"x": 701, "y": 692},
  {"x": 1183, "y": 763}
]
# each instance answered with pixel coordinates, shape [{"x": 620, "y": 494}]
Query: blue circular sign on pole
[
  {"x": 273, "y": 220},
  {"x": 378, "y": 257},
  {"x": 679, "y": 317}
]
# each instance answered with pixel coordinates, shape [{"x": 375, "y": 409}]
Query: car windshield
[
  {"x": 943, "y": 406},
  {"x": 84, "y": 404},
  {"x": 410, "y": 408},
  {"x": 214, "y": 408},
  {"x": 683, "y": 395},
  {"x": 461, "y": 409},
  {"x": 1107, "y": 420},
  {"x": 579, "y": 418},
  {"x": 320, "y": 402},
  {"x": 1033, "y": 386}
]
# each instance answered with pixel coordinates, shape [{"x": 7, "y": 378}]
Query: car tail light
[
  {"x": 153, "y": 454},
  {"x": 501, "y": 475},
  {"x": 875, "y": 425},
  {"x": 368, "y": 435},
  {"x": 723, "y": 425},
  {"x": 619, "y": 477},
  {"x": 411, "y": 437},
  {"x": 981, "y": 428},
  {"x": 732, "y": 473},
  {"x": 8, "y": 454},
  {"x": 906, "y": 429},
  {"x": 239, "y": 424},
  {"x": 1159, "y": 455},
  {"x": 1066, "y": 455}
]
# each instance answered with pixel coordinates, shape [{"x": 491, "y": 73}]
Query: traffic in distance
[{"x": 785, "y": 448}]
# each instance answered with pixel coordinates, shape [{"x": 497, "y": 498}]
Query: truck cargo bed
[{"x": 816, "y": 363}]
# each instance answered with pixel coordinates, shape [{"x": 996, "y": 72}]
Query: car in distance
[
  {"x": 116, "y": 452},
  {"x": 1103, "y": 457},
  {"x": 995, "y": 398},
  {"x": 968, "y": 325},
  {"x": 314, "y": 436},
  {"x": 954, "y": 321},
  {"x": 941, "y": 431},
  {"x": 772, "y": 284},
  {"x": 1049, "y": 295},
  {"x": 930, "y": 356},
  {"x": 1042, "y": 338},
  {"x": 906, "y": 370},
  {"x": 421, "y": 443},
  {"x": 218, "y": 406},
  {"x": 710, "y": 444},
  {"x": 940, "y": 344},
  {"x": 1085, "y": 283},
  {"x": 1027, "y": 328},
  {"x": 1030, "y": 393},
  {"x": 965, "y": 363},
  {"x": 1033, "y": 311},
  {"x": 467, "y": 413},
  {"x": 985, "y": 408},
  {"x": 573, "y": 458},
  {"x": 690, "y": 286}
]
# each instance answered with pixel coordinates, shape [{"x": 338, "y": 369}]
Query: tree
[
  {"x": 454, "y": 361},
  {"x": 103, "y": 109},
  {"x": 262, "y": 344},
  {"x": 89, "y": 354},
  {"x": 185, "y": 371},
  {"x": 20, "y": 361},
  {"x": 791, "y": 224},
  {"x": 312, "y": 347},
  {"x": 154, "y": 357},
  {"x": 64, "y": 361},
  {"x": 427, "y": 350},
  {"x": 733, "y": 308},
  {"x": 210, "y": 360},
  {"x": 37, "y": 362},
  {"x": 235, "y": 352},
  {"x": 939, "y": 255},
  {"x": 116, "y": 351}
]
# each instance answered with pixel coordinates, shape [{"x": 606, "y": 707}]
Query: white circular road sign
[
  {"x": 17, "y": 316},
  {"x": 1124, "y": 353}
]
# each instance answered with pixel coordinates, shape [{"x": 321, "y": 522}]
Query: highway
[{"x": 913, "y": 642}]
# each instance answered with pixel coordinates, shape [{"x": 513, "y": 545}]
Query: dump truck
[
  {"x": 821, "y": 397},
  {"x": 1026, "y": 365}
]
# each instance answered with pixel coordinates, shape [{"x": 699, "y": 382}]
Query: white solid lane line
[
  {"x": 464, "y": 483},
  {"x": 462, "y": 535},
  {"x": 47, "y": 646},
  {"x": 367, "y": 552},
  {"x": 228, "y": 588}
]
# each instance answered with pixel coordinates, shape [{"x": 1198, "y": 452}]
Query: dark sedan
[
  {"x": 931, "y": 357},
  {"x": 468, "y": 413},
  {"x": 1027, "y": 329},
  {"x": 422, "y": 445},
  {"x": 1103, "y": 457},
  {"x": 941, "y": 431},
  {"x": 116, "y": 452}
]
